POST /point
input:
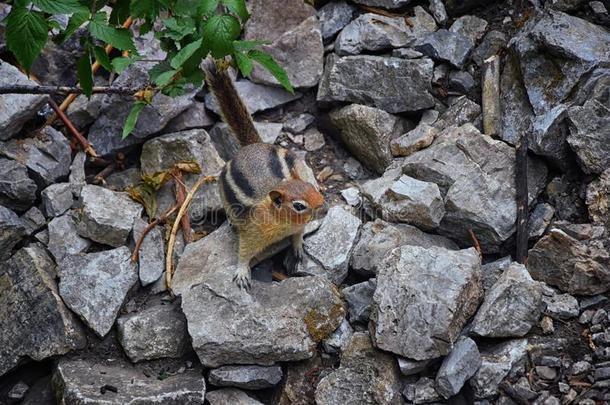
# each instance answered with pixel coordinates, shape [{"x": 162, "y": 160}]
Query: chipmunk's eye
[{"x": 298, "y": 206}]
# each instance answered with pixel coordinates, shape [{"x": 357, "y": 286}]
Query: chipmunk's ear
[{"x": 277, "y": 197}]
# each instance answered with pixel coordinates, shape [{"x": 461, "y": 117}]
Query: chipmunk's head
[{"x": 295, "y": 201}]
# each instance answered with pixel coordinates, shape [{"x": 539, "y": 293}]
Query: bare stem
[{"x": 34, "y": 89}]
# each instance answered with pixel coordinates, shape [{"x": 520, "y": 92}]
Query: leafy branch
[{"x": 188, "y": 30}]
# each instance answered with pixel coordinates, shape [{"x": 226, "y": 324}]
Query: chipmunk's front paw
[
  {"x": 298, "y": 253},
  {"x": 243, "y": 278}
]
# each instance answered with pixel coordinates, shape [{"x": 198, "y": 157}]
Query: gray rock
[
  {"x": 246, "y": 377},
  {"x": 491, "y": 272},
  {"x": 437, "y": 8},
  {"x": 105, "y": 132},
  {"x": 17, "y": 109},
  {"x": 497, "y": 362},
  {"x": 338, "y": 340},
  {"x": 298, "y": 385},
  {"x": 332, "y": 244},
  {"x": 517, "y": 113},
  {"x": 401, "y": 84},
  {"x": 461, "y": 82},
  {"x": 35, "y": 322},
  {"x": 230, "y": 396},
  {"x": 391, "y": 4},
  {"x": 18, "y": 391},
  {"x": 194, "y": 117},
  {"x": 83, "y": 111},
  {"x": 94, "y": 285},
  {"x": 313, "y": 140},
  {"x": 598, "y": 199},
  {"x": 12, "y": 230},
  {"x": 561, "y": 306},
  {"x": 64, "y": 239},
  {"x": 156, "y": 332},
  {"x": 590, "y": 135},
  {"x": 257, "y": 97},
  {"x": 409, "y": 367},
  {"x": 457, "y": 368},
  {"x": 17, "y": 190},
  {"x": 367, "y": 133},
  {"x": 406, "y": 53},
  {"x": 270, "y": 22},
  {"x": 539, "y": 220},
  {"x": 564, "y": 5},
  {"x": 359, "y": 299},
  {"x": 47, "y": 155},
  {"x": 419, "y": 138},
  {"x": 460, "y": 112},
  {"x": 374, "y": 32},
  {"x": 378, "y": 238},
  {"x": 298, "y": 123},
  {"x": 474, "y": 173},
  {"x": 470, "y": 26},
  {"x": 33, "y": 220},
  {"x": 421, "y": 392},
  {"x": 227, "y": 145},
  {"x": 548, "y": 136},
  {"x": 300, "y": 52},
  {"x": 151, "y": 256},
  {"x": 351, "y": 196},
  {"x": 580, "y": 367},
  {"x": 56, "y": 199},
  {"x": 501, "y": 315},
  {"x": 444, "y": 290},
  {"x": 107, "y": 216},
  {"x": 492, "y": 43},
  {"x": 366, "y": 376},
  {"x": 446, "y": 46},
  {"x": 79, "y": 381},
  {"x": 77, "y": 177},
  {"x": 573, "y": 266},
  {"x": 405, "y": 199},
  {"x": 334, "y": 16}
]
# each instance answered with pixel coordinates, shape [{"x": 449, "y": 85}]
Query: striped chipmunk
[{"x": 262, "y": 188}]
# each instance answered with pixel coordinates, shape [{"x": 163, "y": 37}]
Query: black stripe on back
[
  {"x": 240, "y": 181},
  {"x": 227, "y": 190},
  {"x": 290, "y": 160},
  {"x": 274, "y": 163}
]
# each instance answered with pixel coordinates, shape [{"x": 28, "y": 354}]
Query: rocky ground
[{"x": 392, "y": 304}]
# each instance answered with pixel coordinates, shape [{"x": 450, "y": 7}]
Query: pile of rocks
[{"x": 391, "y": 303}]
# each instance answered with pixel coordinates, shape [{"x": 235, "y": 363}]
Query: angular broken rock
[
  {"x": 334, "y": 16},
  {"x": 590, "y": 135},
  {"x": 107, "y": 216},
  {"x": 359, "y": 299},
  {"x": 337, "y": 341},
  {"x": 17, "y": 190},
  {"x": 573, "y": 266},
  {"x": 400, "y": 84},
  {"x": 56, "y": 199},
  {"x": 80, "y": 381},
  {"x": 378, "y": 238},
  {"x": 504, "y": 315},
  {"x": 270, "y": 22},
  {"x": 16, "y": 109},
  {"x": 94, "y": 285},
  {"x": 34, "y": 321},
  {"x": 423, "y": 299},
  {"x": 384, "y": 3},
  {"x": 366, "y": 376},
  {"x": 492, "y": 271},
  {"x": 421, "y": 392},
  {"x": 12, "y": 230},
  {"x": 151, "y": 256},
  {"x": 64, "y": 238},
  {"x": 194, "y": 117},
  {"x": 230, "y": 396},
  {"x": 410, "y": 367},
  {"x": 447, "y": 46},
  {"x": 155, "y": 332},
  {"x": 598, "y": 199},
  {"x": 367, "y": 132},
  {"x": 457, "y": 368},
  {"x": 470, "y": 26},
  {"x": 419, "y": 138},
  {"x": 246, "y": 377},
  {"x": 561, "y": 306}
]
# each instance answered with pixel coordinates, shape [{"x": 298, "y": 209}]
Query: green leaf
[
  {"x": 60, "y": 6},
  {"x": 149, "y": 9},
  {"x": 102, "y": 58},
  {"x": 132, "y": 118},
  {"x": 237, "y": 7},
  {"x": 271, "y": 65},
  {"x": 85, "y": 76},
  {"x": 207, "y": 7},
  {"x": 26, "y": 35},
  {"x": 121, "y": 63},
  {"x": 185, "y": 53},
  {"x": 159, "y": 68},
  {"x": 120, "y": 38},
  {"x": 178, "y": 28},
  {"x": 74, "y": 23},
  {"x": 165, "y": 77},
  {"x": 244, "y": 63},
  {"x": 246, "y": 46},
  {"x": 219, "y": 33},
  {"x": 120, "y": 12}
]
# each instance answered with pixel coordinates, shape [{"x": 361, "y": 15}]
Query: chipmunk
[{"x": 262, "y": 188}]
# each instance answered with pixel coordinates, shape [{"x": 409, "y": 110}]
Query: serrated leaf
[
  {"x": 120, "y": 38},
  {"x": 132, "y": 118},
  {"x": 267, "y": 61},
  {"x": 102, "y": 57},
  {"x": 219, "y": 33},
  {"x": 84, "y": 73},
  {"x": 178, "y": 28},
  {"x": 185, "y": 53},
  {"x": 26, "y": 35},
  {"x": 149, "y": 9},
  {"x": 207, "y": 7},
  {"x": 120, "y": 12},
  {"x": 74, "y": 23},
  {"x": 121, "y": 63},
  {"x": 159, "y": 68},
  {"x": 237, "y": 7},
  {"x": 165, "y": 77},
  {"x": 246, "y": 46},
  {"x": 60, "y": 6},
  {"x": 244, "y": 63}
]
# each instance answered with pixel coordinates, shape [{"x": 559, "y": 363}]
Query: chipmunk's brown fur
[{"x": 262, "y": 187}]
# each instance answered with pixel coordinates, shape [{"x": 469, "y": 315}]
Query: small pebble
[
  {"x": 325, "y": 174},
  {"x": 546, "y": 324},
  {"x": 581, "y": 367},
  {"x": 546, "y": 372}
]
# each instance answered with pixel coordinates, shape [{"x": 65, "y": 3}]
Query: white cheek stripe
[{"x": 282, "y": 158}]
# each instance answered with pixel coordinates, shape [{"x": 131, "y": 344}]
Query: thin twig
[
  {"x": 172, "y": 236},
  {"x": 476, "y": 243},
  {"x": 100, "y": 178},
  {"x": 180, "y": 190},
  {"x": 36, "y": 89},
  {"x": 79, "y": 137},
  {"x": 149, "y": 227}
]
